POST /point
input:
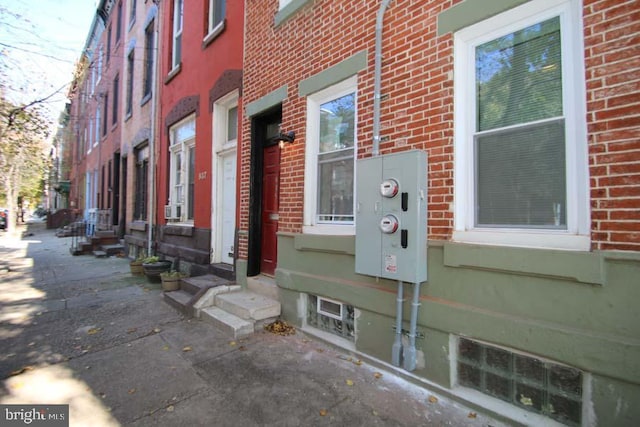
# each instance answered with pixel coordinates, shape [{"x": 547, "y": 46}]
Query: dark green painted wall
[{"x": 576, "y": 308}]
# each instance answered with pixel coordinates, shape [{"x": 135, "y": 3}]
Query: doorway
[{"x": 265, "y": 193}]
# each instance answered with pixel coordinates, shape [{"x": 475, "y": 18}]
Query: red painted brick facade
[{"x": 417, "y": 77}]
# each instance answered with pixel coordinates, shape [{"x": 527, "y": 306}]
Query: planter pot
[
  {"x": 136, "y": 268},
  {"x": 170, "y": 283},
  {"x": 153, "y": 270}
]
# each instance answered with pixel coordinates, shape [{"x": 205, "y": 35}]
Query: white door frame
[{"x": 222, "y": 146}]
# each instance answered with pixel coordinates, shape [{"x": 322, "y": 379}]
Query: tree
[{"x": 23, "y": 133}]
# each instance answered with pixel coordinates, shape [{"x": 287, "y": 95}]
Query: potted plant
[
  {"x": 153, "y": 266},
  {"x": 136, "y": 266},
  {"x": 171, "y": 280}
]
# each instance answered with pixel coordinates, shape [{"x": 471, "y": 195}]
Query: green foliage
[
  {"x": 23, "y": 153},
  {"x": 172, "y": 274},
  {"x": 150, "y": 260}
]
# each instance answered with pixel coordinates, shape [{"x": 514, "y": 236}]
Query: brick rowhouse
[{"x": 417, "y": 105}]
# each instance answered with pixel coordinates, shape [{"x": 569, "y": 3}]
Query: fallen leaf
[
  {"x": 242, "y": 348},
  {"x": 375, "y": 413},
  {"x": 280, "y": 327},
  {"x": 21, "y": 370},
  {"x": 472, "y": 415},
  {"x": 170, "y": 408},
  {"x": 319, "y": 350},
  {"x": 165, "y": 348},
  {"x": 131, "y": 391},
  {"x": 232, "y": 343},
  {"x": 131, "y": 330},
  {"x": 349, "y": 382},
  {"x": 187, "y": 348},
  {"x": 433, "y": 399},
  {"x": 93, "y": 331},
  {"x": 157, "y": 330},
  {"x": 377, "y": 375},
  {"x": 358, "y": 362},
  {"x": 323, "y": 412}
]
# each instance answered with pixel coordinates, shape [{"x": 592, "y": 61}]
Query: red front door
[{"x": 270, "y": 209}]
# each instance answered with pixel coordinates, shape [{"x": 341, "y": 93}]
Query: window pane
[
  {"x": 232, "y": 124},
  {"x": 335, "y": 187},
  {"x": 518, "y": 77},
  {"x": 218, "y": 12},
  {"x": 521, "y": 177},
  {"x": 177, "y": 50},
  {"x": 337, "y": 119}
]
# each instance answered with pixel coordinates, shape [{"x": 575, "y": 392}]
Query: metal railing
[{"x": 78, "y": 235}]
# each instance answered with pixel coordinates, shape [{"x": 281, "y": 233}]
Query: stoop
[
  {"x": 241, "y": 313},
  {"x": 191, "y": 290}
]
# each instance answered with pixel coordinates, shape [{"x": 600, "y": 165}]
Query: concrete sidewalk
[{"x": 83, "y": 331}]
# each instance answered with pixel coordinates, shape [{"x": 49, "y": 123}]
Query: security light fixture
[{"x": 283, "y": 138}]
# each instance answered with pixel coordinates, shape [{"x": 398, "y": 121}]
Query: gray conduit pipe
[
  {"x": 377, "y": 77},
  {"x": 397, "y": 344},
  {"x": 410, "y": 353}
]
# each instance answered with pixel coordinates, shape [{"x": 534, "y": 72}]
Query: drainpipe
[{"x": 152, "y": 144}]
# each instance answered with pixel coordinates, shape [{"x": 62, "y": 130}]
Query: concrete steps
[
  {"x": 241, "y": 313},
  {"x": 192, "y": 289},
  {"x": 224, "y": 304}
]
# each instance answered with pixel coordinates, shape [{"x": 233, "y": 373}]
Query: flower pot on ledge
[
  {"x": 171, "y": 280},
  {"x": 136, "y": 268},
  {"x": 154, "y": 269}
]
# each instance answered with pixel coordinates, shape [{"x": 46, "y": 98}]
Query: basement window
[
  {"x": 535, "y": 385},
  {"x": 331, "y": 316}
]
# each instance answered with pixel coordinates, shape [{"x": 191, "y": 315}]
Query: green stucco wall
[{"x": 580, "y": 309}]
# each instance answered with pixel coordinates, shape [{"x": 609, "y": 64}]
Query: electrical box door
[{"x": 391, "y": 216}]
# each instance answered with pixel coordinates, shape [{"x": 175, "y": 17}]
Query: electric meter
[
  {"x": 389, "y": 224},
  {"x": 389, "y": 188}
]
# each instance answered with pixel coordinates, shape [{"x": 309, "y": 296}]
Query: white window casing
[
  {"x": 574, "y": 233},
  {"x": 182, "y": 145},
  {"x": 176, "y": 54},
  {"x": 312, "y": 223}
]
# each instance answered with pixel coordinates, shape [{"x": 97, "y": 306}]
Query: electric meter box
[{"x": 391, "y": 216}]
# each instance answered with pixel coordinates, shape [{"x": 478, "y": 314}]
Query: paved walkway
[{"x": 82, "y": 331}]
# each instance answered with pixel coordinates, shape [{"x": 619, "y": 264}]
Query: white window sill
[
  {"x": 330, "y": 229},
  {"x": 525, "y": 238},
  {"x": 215, "y": 32}
]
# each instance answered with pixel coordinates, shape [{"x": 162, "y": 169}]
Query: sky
[{"x": 40, "y": 42}]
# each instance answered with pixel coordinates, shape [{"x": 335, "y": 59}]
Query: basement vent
[
  {"x": 543, "y": 387},
  {"x": 331, "y": 316}
]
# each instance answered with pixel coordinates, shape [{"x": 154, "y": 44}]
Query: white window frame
[
  {"x": 310, "y": 225},
  {"x": 577, "y": 234},
  {"x": 97, "y": 128},
  {"x": 177, "y": 32},
  {"x": 212, "y": 27},
  {"x": 181, "y": 146},
  {"x": 284, "y": 3},
  {"x": 99, "y": 65}
]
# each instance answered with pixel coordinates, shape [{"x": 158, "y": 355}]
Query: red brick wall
[
  {"x": 612, "y": 52},
  {"x": 418, "y": 113}
]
